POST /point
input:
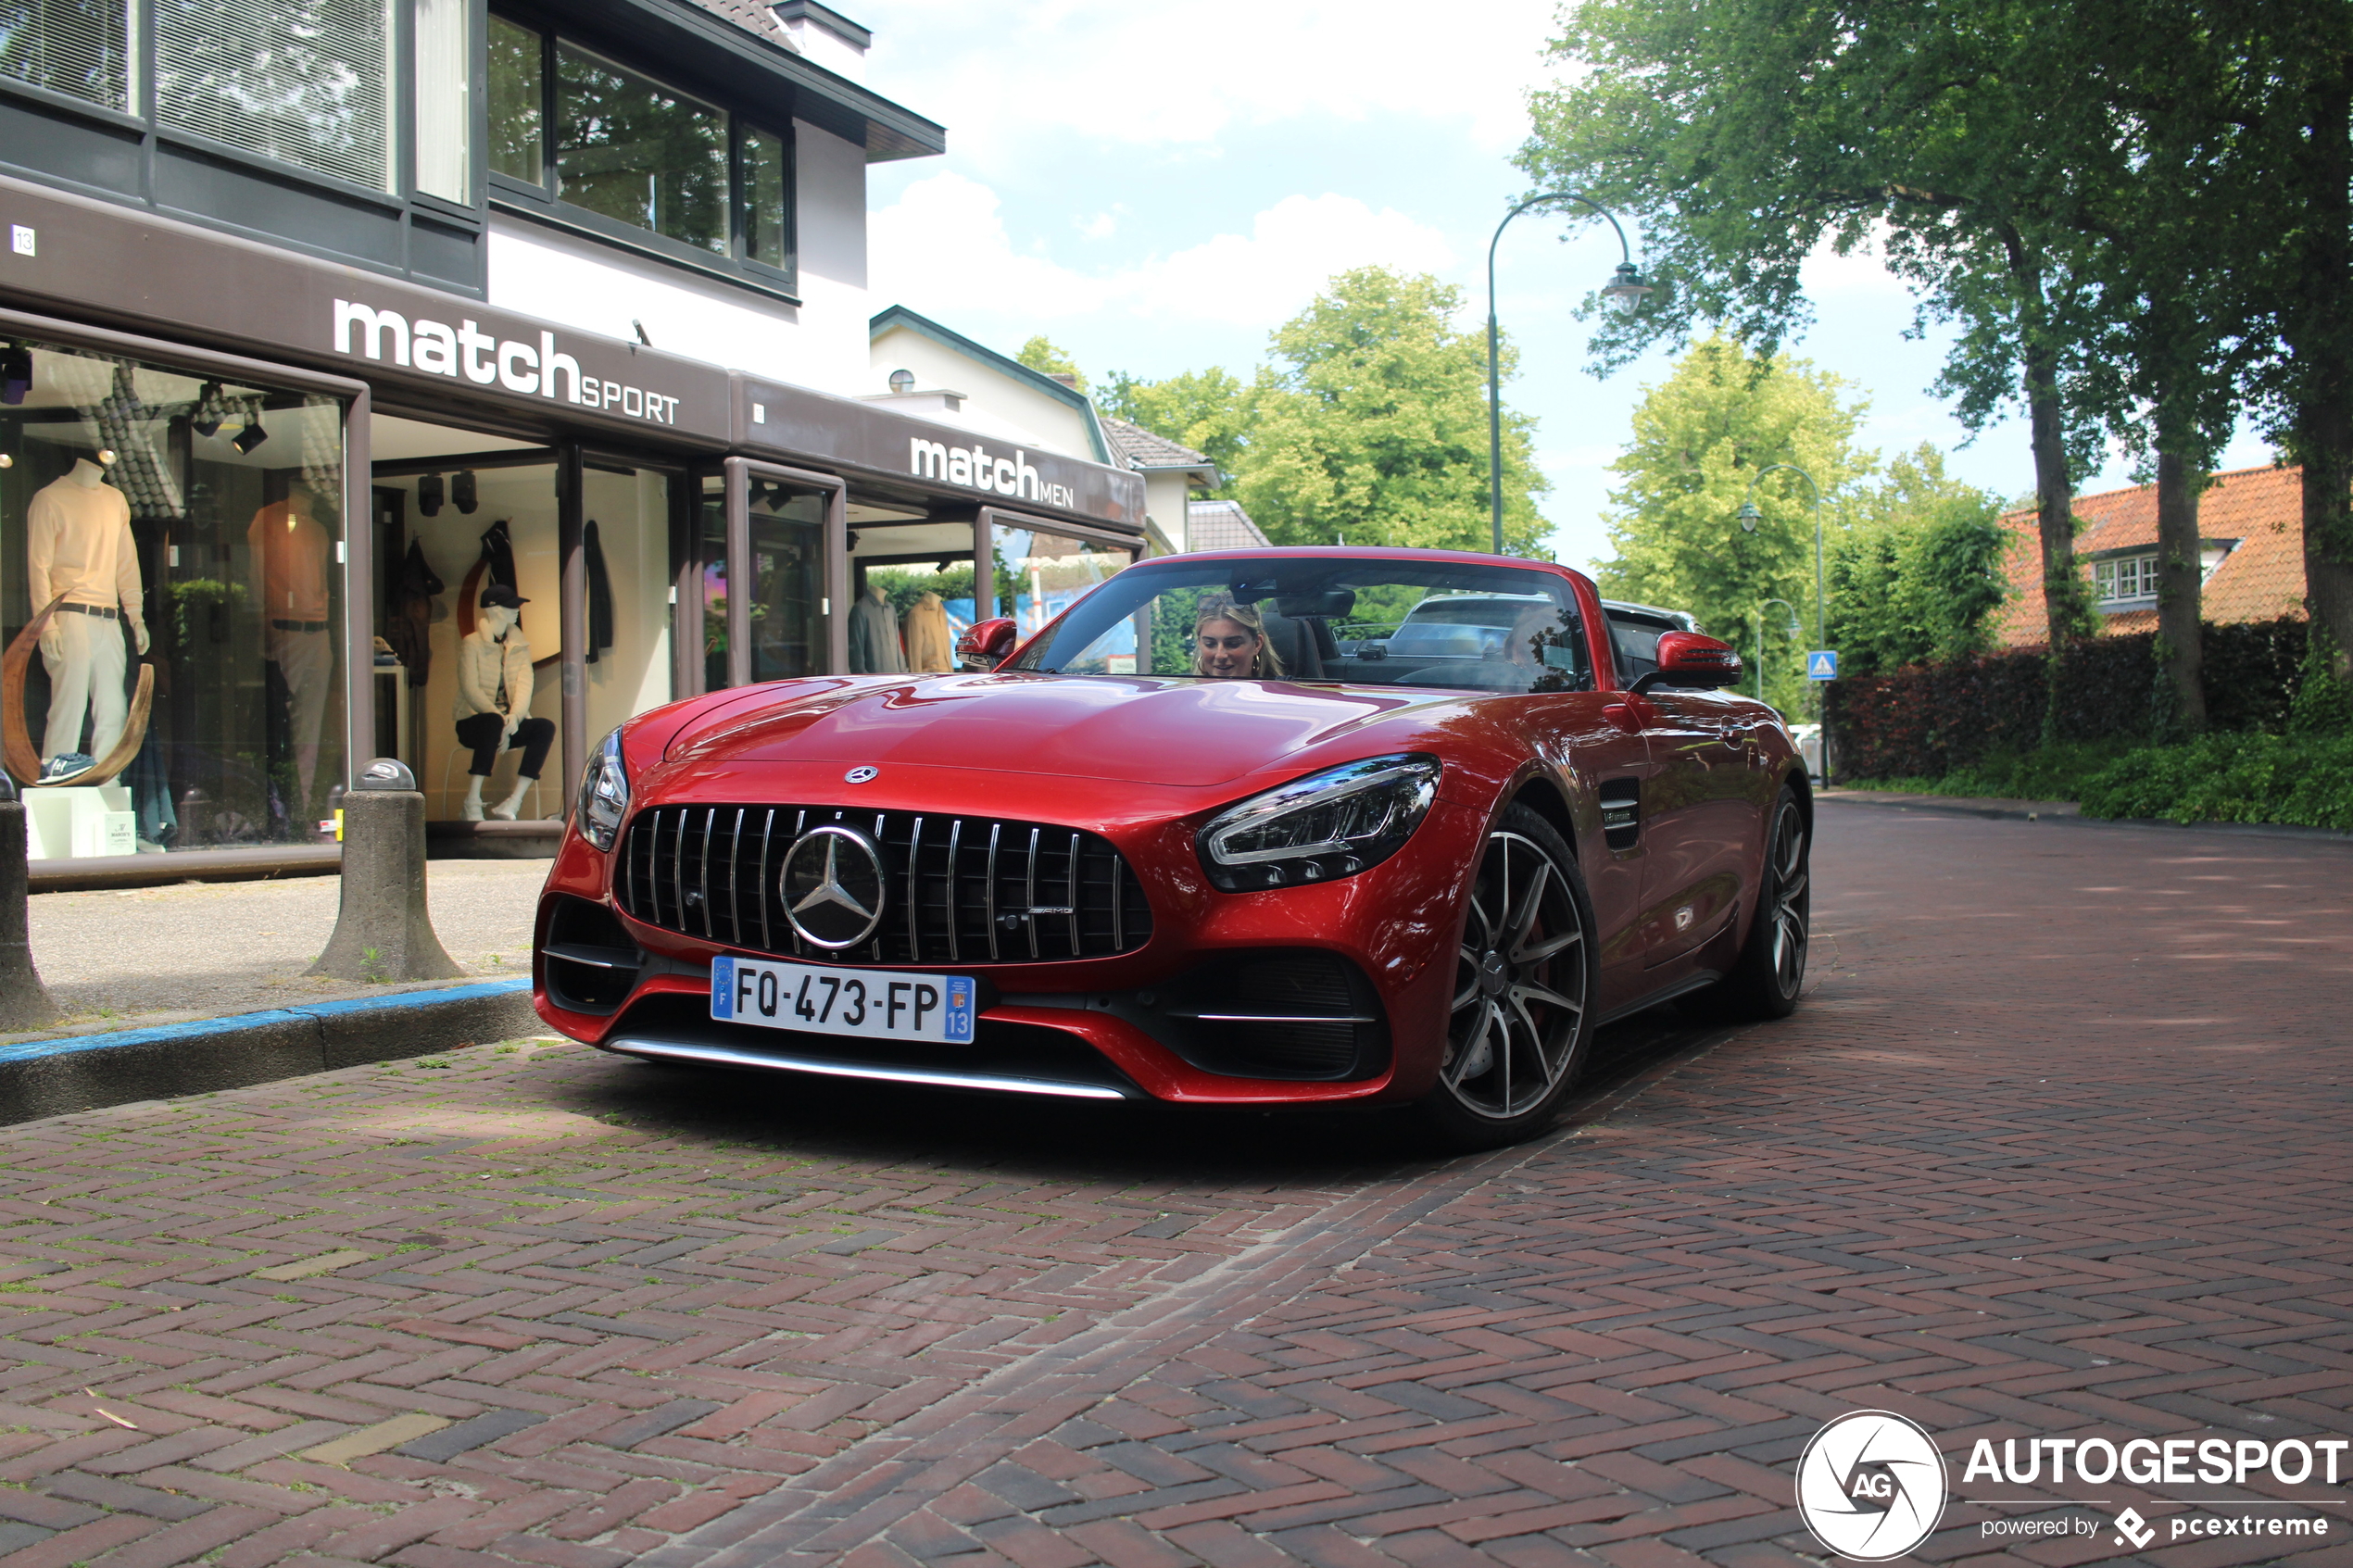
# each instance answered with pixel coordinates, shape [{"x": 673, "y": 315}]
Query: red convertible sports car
[{"x": 1258, "y": 828}]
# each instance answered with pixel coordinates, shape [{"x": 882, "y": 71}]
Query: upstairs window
[
  {"x": 2126, "y": 577},
  {"x": 81, "y": 48},
  {"x": 598, "y": 141},
  {"x": 302, "y": 82},
  {"x": 641, "y": 156}
]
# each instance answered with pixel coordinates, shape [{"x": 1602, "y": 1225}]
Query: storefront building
[{"x": 275, "y": 417}]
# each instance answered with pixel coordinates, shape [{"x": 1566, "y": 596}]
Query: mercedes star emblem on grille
[
  {"x": 832, "y": 883},
  {"x": 861, "y": 775}
]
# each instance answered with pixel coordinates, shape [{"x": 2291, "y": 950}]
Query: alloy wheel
[
  {"x": 1791, "y": 901},
  {"x": 1521, "y": 982}
]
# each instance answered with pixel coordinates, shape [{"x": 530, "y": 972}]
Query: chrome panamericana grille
[{"x": 960, "y": 890}]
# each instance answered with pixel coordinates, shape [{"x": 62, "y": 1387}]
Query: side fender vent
[{"x": 1621, "y": 802}]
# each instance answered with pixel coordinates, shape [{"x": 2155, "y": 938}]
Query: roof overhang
[{"x": 687, "y": 42}]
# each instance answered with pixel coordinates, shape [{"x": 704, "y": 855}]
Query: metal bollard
[
  {"x": 384, "y": 931},
  {"x": 24, "y": 1002}
]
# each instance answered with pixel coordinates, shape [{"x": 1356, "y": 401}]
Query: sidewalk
[{"x": 141, "y": 958}]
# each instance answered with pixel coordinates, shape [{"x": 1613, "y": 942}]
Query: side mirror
[
  {"x": 1687, "y": 659},
  {"x": 987, "y": 644}
]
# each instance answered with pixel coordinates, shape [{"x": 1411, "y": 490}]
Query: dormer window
[
  {"x": 597, "y": 145},
  {"x": 2124, "y": 578}
]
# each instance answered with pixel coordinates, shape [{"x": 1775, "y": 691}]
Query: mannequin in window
[
  {"x": 291, "y": 551},
  {"x": 494, "y": 702},
  {"x": 929, "y": 646},
  {"x": 78, "y": 543},
  {"x": 874, "y": 635}
]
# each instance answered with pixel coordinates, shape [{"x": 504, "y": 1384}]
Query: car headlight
[
  {"x": 604, "y": 794},
  {"x": 1329, "y": 824}
]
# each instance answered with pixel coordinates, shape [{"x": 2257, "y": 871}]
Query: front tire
[
  {"x": 1765, "y": 979},
  {"x": 1522, "y": 1019}
]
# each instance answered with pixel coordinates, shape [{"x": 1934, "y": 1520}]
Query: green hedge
[
  {"x": 1931, "y": 720},
  {"x": 2305, "y": 781}
]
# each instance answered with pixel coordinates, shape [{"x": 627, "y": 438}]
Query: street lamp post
[
  {"x": 1749, "y": 517},
  {"x": 1626, "y": 286}
]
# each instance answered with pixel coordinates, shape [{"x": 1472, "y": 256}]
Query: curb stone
[
  {"x": 2065, "y": 812},
  {"x": 56, "y": 1077}
]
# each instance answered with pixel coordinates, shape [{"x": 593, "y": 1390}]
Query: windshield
[{"x": 1314, "y": 618}]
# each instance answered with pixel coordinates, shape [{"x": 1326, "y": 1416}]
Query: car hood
[{"x": 1134, "y": 729}]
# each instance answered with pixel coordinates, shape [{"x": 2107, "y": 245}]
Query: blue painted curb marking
[{"x": 26, "y": 1050}]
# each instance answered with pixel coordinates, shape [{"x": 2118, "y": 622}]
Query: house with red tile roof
[{"x": 2250, "y": 522}]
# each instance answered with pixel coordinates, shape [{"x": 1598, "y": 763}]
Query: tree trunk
[
  {"x": 2054, "y": 497},
  {"x": 2181, "y": 572},
  {"x": 2324, "y": 423}
]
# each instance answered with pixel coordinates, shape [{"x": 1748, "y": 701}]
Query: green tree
[
  {"x": 1746, "y": 134},
  {"x": 1700, "y": 437},
  {"x": 1371, "y": 426},
  {"x": 1041, "y": 353},
  {"x": 1916, "y": 573},
  {"x": 1210, "y": 411}
]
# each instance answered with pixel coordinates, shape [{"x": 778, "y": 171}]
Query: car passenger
[{"x": 1229, "y": 642}]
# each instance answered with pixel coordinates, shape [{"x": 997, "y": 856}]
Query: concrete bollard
[
  {"x": 384, "y": 932},
  {"x": 24, "y": 1002}
]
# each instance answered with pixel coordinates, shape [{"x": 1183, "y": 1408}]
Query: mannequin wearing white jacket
[{"x": 494, "y": 702}]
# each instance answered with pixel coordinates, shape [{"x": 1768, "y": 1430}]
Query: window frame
[
  {"x": 144, "y": 119},
  {"x": 541, "y": 203},
  {"x": 2107, "y": 572}
]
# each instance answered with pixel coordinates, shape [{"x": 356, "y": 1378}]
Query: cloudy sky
[{"x": 1157, "y": 187}]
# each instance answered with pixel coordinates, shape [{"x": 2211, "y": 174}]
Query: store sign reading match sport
[{"x": 484, "y": 358}]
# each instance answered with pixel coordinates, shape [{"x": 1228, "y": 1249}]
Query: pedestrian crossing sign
[{"x": 1822, "y": 665}]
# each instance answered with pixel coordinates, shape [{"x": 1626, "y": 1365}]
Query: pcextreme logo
[{"x": 1872, "y": 1486}]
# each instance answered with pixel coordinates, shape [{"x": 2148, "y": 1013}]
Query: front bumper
[{"x": 1124, "y": 1027}]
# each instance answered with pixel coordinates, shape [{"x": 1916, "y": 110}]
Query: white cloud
[
  {"x": 1828, "y": 276},
  {"x": 942, "y": 248},
  {"x": 1177, "y": 75}
]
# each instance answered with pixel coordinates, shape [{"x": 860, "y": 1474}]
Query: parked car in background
[{"x": 1191, "y": 843}]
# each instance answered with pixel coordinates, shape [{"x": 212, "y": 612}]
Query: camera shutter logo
[
  {"x": 1870, "y": 1486},
  {"x": 832, "y": 883}
]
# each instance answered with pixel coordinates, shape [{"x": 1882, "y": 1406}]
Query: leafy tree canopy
[
  {"x": 1210, "y": 411},
  {"x": 1371, "y": 425},
  {"x": 1701, "y": 437},
  {"x": 1041, "y": 353},
  {"x": 1916, "y": 574}
]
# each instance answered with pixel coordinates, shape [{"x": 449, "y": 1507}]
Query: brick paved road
[{"x": 2048, "y": 1153}]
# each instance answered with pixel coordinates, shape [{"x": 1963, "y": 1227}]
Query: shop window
[
  {"x": 81, "y": 48},
  {"x": 638, "y": 154},
  {"x": 445, "y": 100},
  {"x": 302, "y": 82},
  {"x": 193, "y": 527},
  {"x": 788, "y": 563},
  {"x": 610, "y": 145}
]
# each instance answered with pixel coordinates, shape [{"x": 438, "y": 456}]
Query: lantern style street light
[{"x": 1626, "y": 286}]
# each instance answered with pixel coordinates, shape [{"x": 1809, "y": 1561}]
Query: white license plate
[{"x": 870, "y": 1004}]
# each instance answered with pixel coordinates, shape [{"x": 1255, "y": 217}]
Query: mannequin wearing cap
[{"x": 494, "y": 702}]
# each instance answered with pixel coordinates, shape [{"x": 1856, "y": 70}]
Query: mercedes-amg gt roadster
[{"x": 1251, "y": 829}]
